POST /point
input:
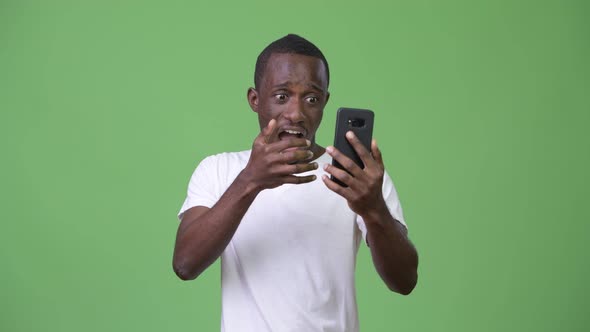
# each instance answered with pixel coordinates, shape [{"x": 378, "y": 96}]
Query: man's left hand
[{"x": 364, "y": 192}]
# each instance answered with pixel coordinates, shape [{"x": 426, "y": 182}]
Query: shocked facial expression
[{"x": 294, "y": 91}]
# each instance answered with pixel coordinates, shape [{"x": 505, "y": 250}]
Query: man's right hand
[{"x": 274, "y": 162}]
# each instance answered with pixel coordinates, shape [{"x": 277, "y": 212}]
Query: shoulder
[
  {"x": 216, "y": 172},
  {"x": 392, "y": 198},
  {"x": 229, "y": 159},
  {"x": 387, "y": 181},
  {"x": 222, "y": 165}
]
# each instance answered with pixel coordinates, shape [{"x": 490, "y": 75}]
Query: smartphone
[{"x": 360, "y": 121}]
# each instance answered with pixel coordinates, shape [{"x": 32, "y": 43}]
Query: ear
[{"x": 252, "y": 96}]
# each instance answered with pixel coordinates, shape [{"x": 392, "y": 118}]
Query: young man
[{"x": 287, "y": 235}]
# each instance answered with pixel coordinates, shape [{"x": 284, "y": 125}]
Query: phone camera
[{"x": 356, "y": 123}]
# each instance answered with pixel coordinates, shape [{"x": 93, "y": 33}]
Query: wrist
[
  {"x": 246, "y": 184},
  {"x": 377, "y": 214}
]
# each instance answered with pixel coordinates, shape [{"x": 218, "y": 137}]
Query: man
[{"x": 288, "y": 240}]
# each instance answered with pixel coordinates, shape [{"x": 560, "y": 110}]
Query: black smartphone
[{"x": 360, "y": 121}]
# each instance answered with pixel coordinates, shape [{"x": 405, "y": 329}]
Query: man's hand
[
  {"x": 274, "y": 162},
  {"x": 364, "y": 193},
  {"x": 394, "y": 256}
]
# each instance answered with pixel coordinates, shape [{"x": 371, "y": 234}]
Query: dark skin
[{"x": 289, "y": 103}]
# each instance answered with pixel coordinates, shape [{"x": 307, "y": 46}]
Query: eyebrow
[{"x": 286, "y": 85}]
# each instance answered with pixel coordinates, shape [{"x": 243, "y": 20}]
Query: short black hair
[{"x": 290, "y": 44}]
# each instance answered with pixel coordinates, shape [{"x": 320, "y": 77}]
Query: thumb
[{"x": 269, "y": 131}]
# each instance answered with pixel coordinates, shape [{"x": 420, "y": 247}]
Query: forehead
[{"x": 284, "y": 68}]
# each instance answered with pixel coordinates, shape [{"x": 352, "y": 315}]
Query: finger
[
  {"x": 290, "y": 157},
  {"x": 296, "y": 168},
  {"x": 289, "y": 143},
  {"x": 360, "y": 149},
  {"x": 265, "y": 132},
  {"x": 346, "y": 162},
  {"x": 299, "y": 179},
  {"x": 335, "y": 187},
  {"x": 270, "y": 131},
  {"x": 376, "y": 153},
  {"x": 341, "y": 175}
]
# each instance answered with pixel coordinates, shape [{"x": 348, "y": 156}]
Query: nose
[{"x": 294, "y": 111}]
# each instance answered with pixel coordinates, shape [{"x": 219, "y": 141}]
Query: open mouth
[{"x": 290, "y": 133}]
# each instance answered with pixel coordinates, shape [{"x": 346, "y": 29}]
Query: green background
[{"x": 482, "y": 113}]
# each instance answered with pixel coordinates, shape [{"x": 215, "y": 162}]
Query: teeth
[{"x": 294, "y": 132}]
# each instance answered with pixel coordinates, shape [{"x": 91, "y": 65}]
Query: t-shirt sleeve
[
  {"x": 202, "y": 187},
  {"x": 392, "y": 202}
]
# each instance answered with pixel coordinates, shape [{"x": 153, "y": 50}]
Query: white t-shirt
[{"x": 290, "y": 265}]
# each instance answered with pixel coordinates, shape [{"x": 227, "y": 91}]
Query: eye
[
  {"x": 312, "y": 99},
  {"x": 281, "y": 97}
]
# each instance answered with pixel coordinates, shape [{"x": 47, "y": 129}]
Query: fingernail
[
  {"x": 309, "y": 154},
  {"x": 314, "y": 177},
  {"x": 330, "y": 149},
  {"x": 326, "y": 166},
  {"x": 308, "y": 142},
  {"x": 350, "y": 134},
  {"x": 315, "y": 165}
]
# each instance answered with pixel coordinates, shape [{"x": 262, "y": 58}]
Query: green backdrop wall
[{"x": 482, "y": 112}]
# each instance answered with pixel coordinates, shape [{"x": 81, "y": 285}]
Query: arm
[
  {"x": 394, "y": 256},
  {"x": 204, "y": 233}
]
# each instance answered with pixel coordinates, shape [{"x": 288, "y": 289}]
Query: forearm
[
  {"x": 205, "y": 237},
  {"x": 394, "y": 256}
]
